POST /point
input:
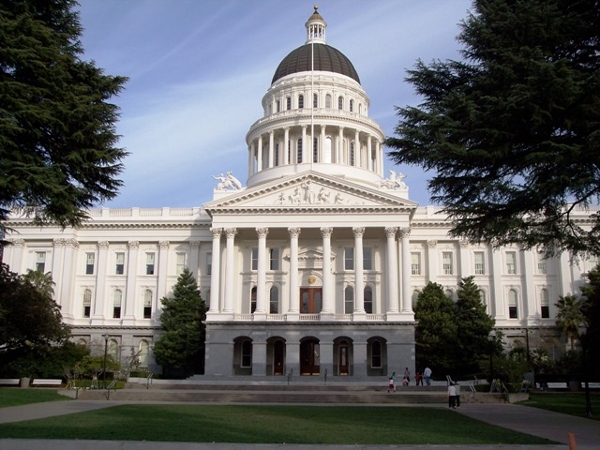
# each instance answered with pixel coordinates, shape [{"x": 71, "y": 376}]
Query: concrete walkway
[{"x": 533, "y": 421}]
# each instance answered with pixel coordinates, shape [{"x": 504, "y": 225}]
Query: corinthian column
[
  {"x": 215, "y": 275},
  {"x": 328, "y": 295},
  {"x": 359, "y": 292},
  {"x": 294, "y": 309},
  {"x": 229, "y": 266},
  {"x": 262, "y": 272},
  {"x": 392, "y": 270}
]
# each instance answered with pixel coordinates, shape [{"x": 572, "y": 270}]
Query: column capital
[
  {"x": 326, "y": 232},
  {"x": 195, "y": 243},
  {"x": 216, "y": 232},
  {"x": 294, "y": 232},
  {"x": 164, "y": 245},
  {"x": 262, "y": 232},
  {"x": 103, "y": 245},
  {"x": 21, "y": 242},
  {"x": 432, "y": 243},
  {"x": 133, "y": 245},
  {"x": 358, "y": 231},
  {"x": 390, "y": 232},
  {"x": 463, "y": 243},
  {"x": 404, "y": 232},
  {"x": 230, "y": 232},
  {"x": 71, "y": 243}
]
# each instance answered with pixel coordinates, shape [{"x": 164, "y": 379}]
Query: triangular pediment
[{"x": 309, "y": 191}]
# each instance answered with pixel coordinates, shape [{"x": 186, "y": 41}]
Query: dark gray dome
[{"x": 327, "y": 59}]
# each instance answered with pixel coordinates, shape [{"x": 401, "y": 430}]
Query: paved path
[{"x": 533, "y": 421}]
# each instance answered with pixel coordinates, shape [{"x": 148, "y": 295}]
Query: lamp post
[
  {"x": 492, "y": 340},
  {"x": 105, "y": 336},
  {"x": 588, "y": 403}
]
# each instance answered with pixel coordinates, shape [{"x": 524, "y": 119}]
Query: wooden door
[
  {"x": 344, "y": 356},
  {"x": 278, "y": 358},
  {"x": 310, "y": 300},
  {"x": 310, "y": 357}
]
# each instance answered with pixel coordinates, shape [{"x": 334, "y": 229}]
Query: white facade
[{"x": 312, "y": 268}]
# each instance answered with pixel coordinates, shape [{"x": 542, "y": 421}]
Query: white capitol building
[{"x": 313, "y": 267}]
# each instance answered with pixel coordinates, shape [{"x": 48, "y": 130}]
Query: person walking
[
  {"x": 407, "y": 375},
  {"x": 418, "y": 378},
  {"x": 457, "y": 394},
  {"x": 427, "y": 374},
  {"x": 392, "y": 382},
  {"x": 451, "y": 395}
]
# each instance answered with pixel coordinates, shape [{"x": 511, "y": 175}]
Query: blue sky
[{"x": 198, "y": 70}]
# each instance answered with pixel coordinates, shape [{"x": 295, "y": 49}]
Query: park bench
[
  {"x": 9, "y": 382},
  {"x": 47, "y": 382}
]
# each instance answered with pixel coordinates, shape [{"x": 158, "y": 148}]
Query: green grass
[
  {"x": 271, "y": 424},
  {"x": 572, "y": 403},
  {"x": 17, "y": 396}
]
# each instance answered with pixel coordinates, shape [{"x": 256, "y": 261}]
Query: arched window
[
  {"x": 315, "y": 149},
  {"x": 348, "y": 300},
  {"x": 276, "y": 162},
  {"x": 117, "y": 300},
  {"x": 512, "y": 304},
  {"x": 351, "y": 153},
  {"x": 328, "y": 101},
  {"x": 300, "y": 101},
  {"x": 299, "y": 152},
  {"x": 278, "y": 106},
  {"x": 253, "y": 300},
  {"x": 147, "y": 304},
  {"x": 545, "y": 304},
  {"x": 368, "y": 300},
  {"x": 351, "y": 105},
  {"x": 87, "y": 302},
  {"x": 274, "y": 300},
  {"x": 415, "y": 298},
  {"x": 288, "y": 103},
  {"x": 113, "y": 349},
  {"x": 315, "y": 101},
  {"x": 144, "y": 349},
  {"x": 340, "y": 102}
]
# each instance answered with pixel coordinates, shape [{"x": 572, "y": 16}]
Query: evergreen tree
[
  {"x": 57, "y": 129},
  {"x": 474, "y": 327},
  {"x": 512, "y": 132},
  {"x": 436, "y": 330},
  {"x": 180, "y": 349}
]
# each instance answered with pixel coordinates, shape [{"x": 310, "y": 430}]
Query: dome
[{"x": 327, "y": 59}]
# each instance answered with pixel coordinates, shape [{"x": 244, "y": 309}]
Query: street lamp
[
  {"x": 588, "y": 403},
  {"x": 105, "y": 336},
  {"x": 492, "y": 341}
]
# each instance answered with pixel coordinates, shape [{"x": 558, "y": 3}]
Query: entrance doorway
[
  {"x": 310, "y": 300},
  {"x": 344, "y": 356},
  {"x": 310, "y": 357},
  {"x": 278, "y": 357}
]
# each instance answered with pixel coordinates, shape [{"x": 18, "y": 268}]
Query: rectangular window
[
  {"x": 367, "y": 258},
  {"x": 120, "y": 263},
  {"x": 118, "y": 297},
  {"x": 512, "y": 304},
  {"x": 89, "y": 263},
  {"x": 148, "y": 304},
  {"x": 150, "y": 259},
  {"x": 209, "y": 263},
  {"x": 180, "y": 263},
  {"x": 479, "y": 264},
  {"x": 254, "y": 261},
  {"x": 545, "y": 304},
  {"x": 447, "y": 268},
  {"x": 511, "y": 263},
  {"x": 87, "y": 303},
  {"x": 274, "y": 259},
  {"x": 349, "y": 258},
  {"x": 415, "y": 263},
  {"x": 274, "y": 300},
  {"x": 40, "y": 261}
]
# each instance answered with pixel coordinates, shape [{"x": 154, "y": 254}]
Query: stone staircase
[{"x": 244, "y": 391}]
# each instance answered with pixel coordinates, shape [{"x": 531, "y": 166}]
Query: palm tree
[
  {"x": 570, "y": 317},
  {"x": 41, "y": 281}
]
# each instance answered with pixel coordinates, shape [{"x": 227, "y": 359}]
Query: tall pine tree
[
  {"x": 435, "y": 333},
  {"x": 180, "y": 349},
  {"x": 474, "y": 327},
  {"x": 58, "y": 153},
  {"x": 512, "y": 131}
]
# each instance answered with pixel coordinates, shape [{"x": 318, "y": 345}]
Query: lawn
[
  {"x": 271, "y": 424},
  {"x": 572, "y": 403},
  {"x": 16, "y": 396}
]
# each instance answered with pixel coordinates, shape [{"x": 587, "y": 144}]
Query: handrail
[
  {"x": 110, "y": 386},
  {"x": 149, "y": 380}
]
